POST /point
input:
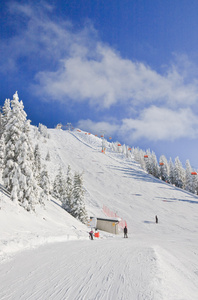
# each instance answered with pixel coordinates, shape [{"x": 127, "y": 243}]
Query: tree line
[
  {"x": 166, "y": 170},
  {"x": 24, "y": 176}
]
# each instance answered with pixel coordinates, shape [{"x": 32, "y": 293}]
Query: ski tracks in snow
[
  {"x": 116, "y": 268},
  {"x": 84, "y": 270}
]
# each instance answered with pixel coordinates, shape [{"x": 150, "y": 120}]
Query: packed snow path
[{"x": 116, "y": 268}]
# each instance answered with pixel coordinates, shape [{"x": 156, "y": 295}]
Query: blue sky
[{"x": 127, "y": 67}]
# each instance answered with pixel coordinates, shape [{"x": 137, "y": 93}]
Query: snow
[{"x": 47, "y": 254}]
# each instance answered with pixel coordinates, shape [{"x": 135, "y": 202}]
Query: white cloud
[
  {"x": 112, "y": 80},
  {"x": 157, "y": 124},
  {"x": 38, "y": 40},
  {"x": 74, "y": 65},
  {"x": 154, "y": 124},
  {"x": 98, "y": 127}
]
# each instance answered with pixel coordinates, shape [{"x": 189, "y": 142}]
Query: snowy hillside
[{"x": 158, "y": 261}]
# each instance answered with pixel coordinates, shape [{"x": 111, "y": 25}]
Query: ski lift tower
[
  {"x": 103, "y": 140},
  {"x": 69, "y": 126}
]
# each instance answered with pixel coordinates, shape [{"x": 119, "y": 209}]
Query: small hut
[
  {"x": 108, "y": 225},
  {"x": 59, "y": 126}
]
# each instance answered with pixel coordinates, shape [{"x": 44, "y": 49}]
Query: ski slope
[
  {"x": 157, "y": 261},
  {"x": 106, "y": 269}
]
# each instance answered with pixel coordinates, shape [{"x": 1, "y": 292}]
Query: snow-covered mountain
[{"x": 158, "y": 261}]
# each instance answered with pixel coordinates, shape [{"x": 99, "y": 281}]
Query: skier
[
  {"x": 125, "y": 232},
  {"x": 91, "y": 234},
  {"x": 156, "y": 219}
]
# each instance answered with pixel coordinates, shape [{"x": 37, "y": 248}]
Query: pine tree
[
  {"x": 188, "y": 186},
  {"x": 12, "y": 133},
  {"x": 78, "y": 208},
  {"x": 47, "y": 156},
  {"x": 59, "y": 185},
  {"x": 26, "y": 163},
  {"x": 43, "y": 131},
  {"x": 37, "y": 163},
  {"x": 164, "y": 168},
  {"x": 27, "y": 181},
  {"x": 124, "y": 150},
  {"x": 148, "y": 162},
  {"x": 128, "y": 153},
  {"x": 171, "y": 172},
  {"x": 195, "y": 183},
  {"x": 45, "y": 182},
  {"x": 18, "y": 172},
  {"x": 67, "y": 199},
  {"x": 6, "y": 113},
  {"x": 179, "y": 173},
  {"x": 155, "y": 166},
  {"x": 137, "y": 154},
  {"x": 141, "y": 159},
  {"x": 2, "y": 152}
]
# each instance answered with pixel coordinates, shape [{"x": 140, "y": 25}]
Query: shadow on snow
[{"x": 176, "y": 199}]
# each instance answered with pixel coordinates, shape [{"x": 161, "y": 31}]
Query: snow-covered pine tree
[
  {"x": 171, "y": 172},
  {"x": 78, "y": 208},
  {"x": 19, "y": 157},
  {"x": 141, "y": 160},
  {"x": 138, "y": 155},
  {"x": 195, "y": 182},
  {"x": 37, "y": 163},
  {"x": 5, "y": 113},
  {"x": 59, "y": 185},
  {"x": 45, "y": 183},
  {"x": 67, "y": 198},
  {"x": 148, "y": 161},
  {"x": 164, "y": 168},
  {"x": 188, "y": 184},
  {"x": 43, "y": 131},
  {"x": 47, "y": 156},
  {"x": 113, "y": 147},
  {"x": 2, "y": 152},
  {"x": 12, "y": 133},
  {"x": 56, "y": 188},
  {"x": 179, "y": 173},
  {"x": 127, "y": 153},
  {"x": 124, "y": 150},
  {"x": 16, "y": 174},
  {"x": 25, "y": 159},
  {"x": 154, "y": 165}
]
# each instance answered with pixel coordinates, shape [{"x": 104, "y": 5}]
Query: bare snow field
[{"x": 47, "y": 254}]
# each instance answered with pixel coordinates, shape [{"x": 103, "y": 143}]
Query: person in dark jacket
[
  {"x": 156, "y": 219},
  {"x": 125, "y": 232},
  {"x": 91, "y": 234}
]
